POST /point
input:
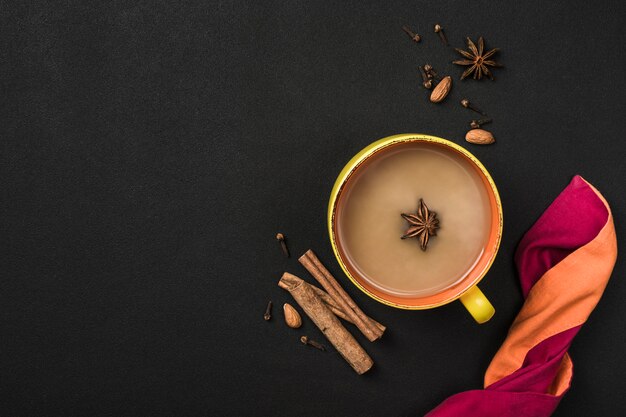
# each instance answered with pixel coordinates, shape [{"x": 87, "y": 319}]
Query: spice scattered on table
[
  {"x": 292, "y": 317},
  {"x": 431, "y": 73},
  {"x": 475, "y": 124},
  {"x": 468, "y": 105},
  {"x": 440, "y": 92},
  {"x": 477, "y": 60},
  {"x": 325, "y": 307},
  {"x": 422, "y": 225},
  {"x": 442, "y": 36},
  {"x": 305, "y": 340},
  {"x": 427, "y": 81},
  {"x": 268, "y": 311},
  {"x": 283, "y": 245},
  {"x": 479, "y": 137},
  {"x": 327, "y": 322},
  {"x": 414, "y": 36},
  {"x": 443, "y": 87}
]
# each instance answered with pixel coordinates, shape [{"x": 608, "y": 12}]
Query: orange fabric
[
  {"x": 563, "y": 377},
  {"x": 549, "y": 309}
]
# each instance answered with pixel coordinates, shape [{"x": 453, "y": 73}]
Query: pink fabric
[
  {"x": 540, "y": 366},
  {"x": 521, "y": 394},
  {"x": 572, "y": 220}
]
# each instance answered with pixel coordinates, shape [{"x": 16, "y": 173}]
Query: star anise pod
[
  {"x": 477, "y": 59},
  {"x": 422, "y": 225}
]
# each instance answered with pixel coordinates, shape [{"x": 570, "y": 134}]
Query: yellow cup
[{"x": 466, "y": 289}]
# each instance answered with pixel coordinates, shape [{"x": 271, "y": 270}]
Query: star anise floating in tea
[
  {"x": 477, "y": 59},
  {"x": 422, "y": 225}
]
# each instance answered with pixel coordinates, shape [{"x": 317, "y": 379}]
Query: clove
[
  {"x": 466, "y": 103},
  {"x": 414, "y": 36},
  {"x": 281, "y": 239},
  {"x": 268, "y": 311},
  {"x": 430, "y": 72},
  {"x": 427, "y": 82},
  {"x": 475, "y": 124},
  {"x": 305, "y": 340},
  {"x": 439, "y": 30}
]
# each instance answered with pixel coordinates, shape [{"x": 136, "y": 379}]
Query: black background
[{"x": 152, "y": 150}]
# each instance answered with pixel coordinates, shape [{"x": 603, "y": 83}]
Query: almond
[
  {"x": 441, "y": 90},
  {"x": 292, "y": 317},
  {"x": 479, "y": 137}
]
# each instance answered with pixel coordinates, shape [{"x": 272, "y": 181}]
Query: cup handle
[{"x": 478, "y": 305}]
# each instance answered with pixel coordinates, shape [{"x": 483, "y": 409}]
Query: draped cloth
[{"x": 564, "y": 263}]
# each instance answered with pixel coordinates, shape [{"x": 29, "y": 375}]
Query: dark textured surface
[{"x": 152, "y": 150}]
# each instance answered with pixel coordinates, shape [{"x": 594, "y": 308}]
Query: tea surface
[{"x": 370, "y": 225}]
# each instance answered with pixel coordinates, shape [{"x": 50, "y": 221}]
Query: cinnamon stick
[
  {"x": 330, "y": 303},
  {"x": 327, "y": 322},
  {"x": 338, "y": 294}
]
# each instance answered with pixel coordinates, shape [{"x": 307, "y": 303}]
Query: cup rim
[{"x": 352, "y": 166}]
